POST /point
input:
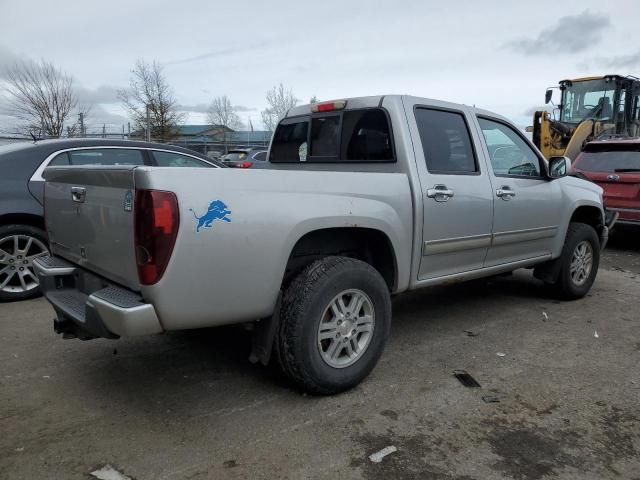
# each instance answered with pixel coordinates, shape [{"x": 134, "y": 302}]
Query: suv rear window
[
  {"x": 609, "y": 158},
  {"x": 349, "y": 136}
]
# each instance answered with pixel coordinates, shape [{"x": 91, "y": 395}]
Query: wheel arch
[
  {"x": 22, "y": 219},
  {"x": 370, "y": 245},
  {"x": 590, "y": 215}
]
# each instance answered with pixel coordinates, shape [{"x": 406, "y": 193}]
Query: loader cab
[
  {"x": 600, "y": 100},
  {"x": 589, "y": 108}
]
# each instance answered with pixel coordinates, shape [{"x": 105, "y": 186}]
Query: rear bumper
[
  {"x": 627, "y": 216},
  {"x": 87, "y": 306}
]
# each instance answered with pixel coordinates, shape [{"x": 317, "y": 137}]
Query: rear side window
[
  {"x": 446, "y": 142},
  {"x": 260, "y": 156},
  {"x": 60, "y": 159},
  {"x": 349, "y": 136},
  {"x": 106, "y": 156},
  {"x": 170, "y": 159}
]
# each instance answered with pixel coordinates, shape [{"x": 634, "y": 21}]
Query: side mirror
[
  {"x": 559, "y": 167},
  {"x": 547, "y": 96}
]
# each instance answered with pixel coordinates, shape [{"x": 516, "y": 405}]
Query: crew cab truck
[{"x": 365, "y": 198}]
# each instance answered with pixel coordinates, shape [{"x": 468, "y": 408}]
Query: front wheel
[
  {"x": 579, "y": 261},
  {"x": 334, "y": 322}
]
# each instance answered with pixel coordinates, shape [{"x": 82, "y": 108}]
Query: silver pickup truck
[{"x": 365, "y": 198}]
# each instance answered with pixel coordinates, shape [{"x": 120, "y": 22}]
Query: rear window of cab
[{"x": 346, "y": 136}]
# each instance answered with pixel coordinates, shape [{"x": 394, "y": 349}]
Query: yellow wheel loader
[{"x": 589, "y": 108}]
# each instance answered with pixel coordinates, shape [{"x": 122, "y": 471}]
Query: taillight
[
  {"x": 245, "y": 164},
  {"x": 156, "y": 227}
]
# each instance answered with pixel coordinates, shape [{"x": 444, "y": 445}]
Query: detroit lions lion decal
[{"x": 217, "y": 211}]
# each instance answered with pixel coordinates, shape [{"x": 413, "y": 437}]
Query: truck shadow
[{"x": 199, "y": 371}]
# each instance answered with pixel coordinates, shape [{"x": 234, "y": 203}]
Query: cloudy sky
[{"x": 500, "y": 55}]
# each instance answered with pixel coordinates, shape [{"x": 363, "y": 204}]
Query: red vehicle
[{"x": 615, "y": 165}]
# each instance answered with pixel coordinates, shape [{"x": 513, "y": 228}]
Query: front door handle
[
  {"x": 440, "y": 193},
  {"x": 505, "y": 193},
  {"x": 78, "y": 194}
]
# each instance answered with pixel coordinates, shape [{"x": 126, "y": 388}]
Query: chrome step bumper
[{"x": 88, "y": 306}]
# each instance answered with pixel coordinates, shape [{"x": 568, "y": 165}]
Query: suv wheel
[
  {"x": 579, "y": 261},
  {"x": 19, "y": 246},
  {"x": 334, "y": 323}
]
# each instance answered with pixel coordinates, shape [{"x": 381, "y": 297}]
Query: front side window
[
  {"x": 106, "y": 156},
  {"x": 446, "y": 142},
  {"x": 349, "y": 136},
  {"x": 508, "y": 151},
  {"x": 172, "y": 159}
]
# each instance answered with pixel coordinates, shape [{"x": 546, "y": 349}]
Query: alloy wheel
[
  {"x": 581, "y": 263},
  {"x": 346, "y": 328},
  {"x": 17, "y": 253}
]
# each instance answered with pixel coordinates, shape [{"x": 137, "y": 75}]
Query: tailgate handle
[{"x": 78, "y": 194}]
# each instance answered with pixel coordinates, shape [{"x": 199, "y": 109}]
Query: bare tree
[
  {"x": 280, "y": 100},
  {"x": 149, "y": 94},
  {"x": 222, "y": 113},
  {"x": 41, "y": 96}
]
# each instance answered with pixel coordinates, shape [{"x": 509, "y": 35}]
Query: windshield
[{"x": 591, "y": 99}]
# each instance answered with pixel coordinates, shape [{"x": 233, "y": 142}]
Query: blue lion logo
[{"x": 217, "y": 211}]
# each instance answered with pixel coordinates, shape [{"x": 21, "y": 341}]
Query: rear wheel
[
  {"x": 579, "y": 261},
  {"x": 19, "y": 246},
  {"x": 334, "y": 323}
]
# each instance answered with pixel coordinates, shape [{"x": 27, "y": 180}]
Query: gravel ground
[{"x": 189, "y": 405}]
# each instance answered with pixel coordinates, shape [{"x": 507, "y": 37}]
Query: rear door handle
[
  {"x": 440, "y": 193},
  {"x": 505, "y": 192},
  {"x": 78, "y": 194}
]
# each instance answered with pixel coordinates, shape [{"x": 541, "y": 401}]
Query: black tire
[
  {"x": 27, "y": 230},
  {"x": 565, "y": 286},
  {"x": 305, "y": 300}
]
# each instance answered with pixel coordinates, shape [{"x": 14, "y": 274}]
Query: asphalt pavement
[{"x": 558, "y": 397}]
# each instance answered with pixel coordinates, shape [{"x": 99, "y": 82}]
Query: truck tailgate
[{"x": 89, "y": 216}]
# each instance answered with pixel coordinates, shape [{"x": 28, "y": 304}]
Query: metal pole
[{"x": 148, "y": 124}]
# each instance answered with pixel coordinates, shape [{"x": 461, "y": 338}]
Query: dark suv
[{"x": 22, "y": 235}]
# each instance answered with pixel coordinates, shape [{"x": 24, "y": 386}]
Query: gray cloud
[
  {"x": 7, "y": 60},
  {"x": 622, "y": 61},
  {"x": 106, "y": 94},
  {"x": 220, "y": 52},
  {"x": 204, "y": 108},
  {"x": 242, "y": 108},
  {"x": 571, "y": 34},
  {"x": 531, "y": 110},
  {"x": 99, "y": 116},
  {"x": 198, "y": 108}
]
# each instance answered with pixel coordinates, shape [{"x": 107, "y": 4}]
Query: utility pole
[
  {"x": 148, "y": 124},
  {"x": 81, "y": 115},
  {"x": 104, "y": 130}
]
